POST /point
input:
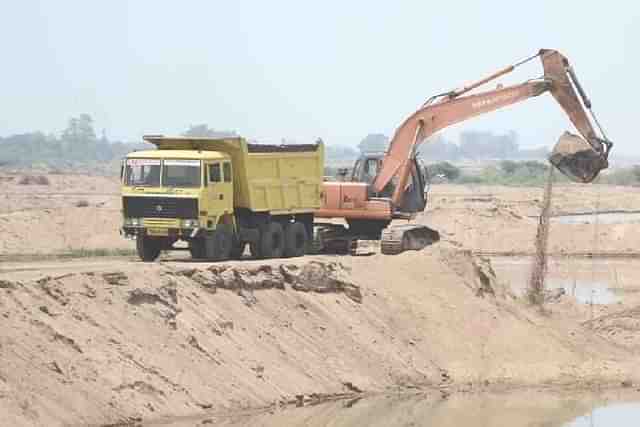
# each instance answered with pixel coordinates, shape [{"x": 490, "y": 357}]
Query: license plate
[{"x": 157, "y": 232}]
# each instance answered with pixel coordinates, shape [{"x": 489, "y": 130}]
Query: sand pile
[{"x": 138, "y": 341}]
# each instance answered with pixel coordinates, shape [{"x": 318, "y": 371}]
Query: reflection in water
[
  {"x": 589, "y": 281},
  {"x": 618, "y": 415},
  {"x": 587, "y": 293},
  {"x": 513, "y": 409}
]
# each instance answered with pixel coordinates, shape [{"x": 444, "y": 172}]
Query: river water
[
  {"x": 513, "y": 409},
  {"x": 589, "y": 281},
  {"x": 601, "y": 218}
]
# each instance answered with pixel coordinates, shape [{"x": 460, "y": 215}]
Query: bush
[
  {"x": 624, "y": 176},
  {"x": 508, "y": 172},
  {"x": 449, "y": 171},
  {"x": 508, "y": 166}
]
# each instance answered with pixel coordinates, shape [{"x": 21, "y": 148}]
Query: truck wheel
[
  {"x": 271, "y": 240},
  {"x": 237, "y": 249},
  {"x": 219, "y": 245},
  {"x": 295, "y": 239},
  {"x": 148, "y": 249},
  {"x": 197, "y": 249},
  {"x": 254, "y": 248}
]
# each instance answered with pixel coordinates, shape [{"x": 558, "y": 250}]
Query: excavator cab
[{"x": 366, "y": 167}]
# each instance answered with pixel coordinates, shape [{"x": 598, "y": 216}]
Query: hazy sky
[{"x": 331, "y": 69}]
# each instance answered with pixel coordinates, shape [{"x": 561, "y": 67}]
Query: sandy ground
[
  {"x": 128, "y": 341},
  {"x": 503, "y": 219},
  {"x": 109, "y": 340},
  {"x": 45, "y": 219}
]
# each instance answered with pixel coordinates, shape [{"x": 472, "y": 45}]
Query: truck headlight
[
  {"x": 132, "y": 222},
  {"x": 190, "y": 223}
]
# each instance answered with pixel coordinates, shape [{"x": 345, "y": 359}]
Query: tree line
[
  {"x": 76, "y": 144},
  {"x": 79, "y": 143}
]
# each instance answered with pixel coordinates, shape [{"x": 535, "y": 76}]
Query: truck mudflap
[{"x": 407, "y": 237}]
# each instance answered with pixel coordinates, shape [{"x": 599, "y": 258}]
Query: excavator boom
[{"x": 374, "y": 205}]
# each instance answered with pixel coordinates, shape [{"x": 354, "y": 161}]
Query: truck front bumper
[{"x": 132, "y": 232}]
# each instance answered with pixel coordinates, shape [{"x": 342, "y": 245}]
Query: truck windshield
[
  {"x": 142, "y": 172},
  {"x": 181, "y": 173}
]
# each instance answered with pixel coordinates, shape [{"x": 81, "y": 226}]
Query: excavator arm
[
  {"x": 580, "y": 161},
  {"x": 396, "y": 190}
]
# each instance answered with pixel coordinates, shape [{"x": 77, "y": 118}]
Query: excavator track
[{"x": 407, "y": 237}]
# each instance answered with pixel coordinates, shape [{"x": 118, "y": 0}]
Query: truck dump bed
[{"x": 267, "y": 178}]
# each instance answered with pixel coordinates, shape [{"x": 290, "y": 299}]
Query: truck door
[{"x": 219, "y": 191}]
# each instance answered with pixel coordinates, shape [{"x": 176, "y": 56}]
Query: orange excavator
[{"x": 388, "y": 187}]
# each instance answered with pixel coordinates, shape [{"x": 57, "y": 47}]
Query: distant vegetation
[
  {"x": 473, "y": 145},
  {"x": 444, "y": 170},
  {"x": 203, "y": 130},
  {"x": 76, "y": 145},
  {"x": 506, "y": 172},
  {"x": 522, "y": 173}
]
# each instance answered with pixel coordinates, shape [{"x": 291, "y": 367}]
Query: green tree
[
  {"x": 79, "y": 130},
  {"x": 78, "y": 140}
]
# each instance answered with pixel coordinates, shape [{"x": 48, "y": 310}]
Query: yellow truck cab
[{"x": 220, "y": 194}]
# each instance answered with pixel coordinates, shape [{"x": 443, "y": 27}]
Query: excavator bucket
[{"x": 577, "y": 159}]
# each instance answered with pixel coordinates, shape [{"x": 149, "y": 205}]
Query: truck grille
[{"x": 160, "y": 207}]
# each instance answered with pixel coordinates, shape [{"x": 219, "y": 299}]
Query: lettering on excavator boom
[{"x": 491, "y": 101}]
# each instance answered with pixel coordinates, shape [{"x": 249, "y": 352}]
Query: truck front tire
[
  {"x": 197, "y": 248},
  {"x": 295, "y": 239},
  {"x": 148, "y": 249},
  {"x": 271, "y": 240}
]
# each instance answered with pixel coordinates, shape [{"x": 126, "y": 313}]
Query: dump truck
[{"x": 219, "y": 195}]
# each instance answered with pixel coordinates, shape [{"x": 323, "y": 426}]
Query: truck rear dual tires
[
  {"x": 271, "y": 240},
  {"x": 278, "y": 241},
  {"x": 274, "y": 239},
  {"x": 216, "y": 246},
  {"x": 295, "y": 239}
]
